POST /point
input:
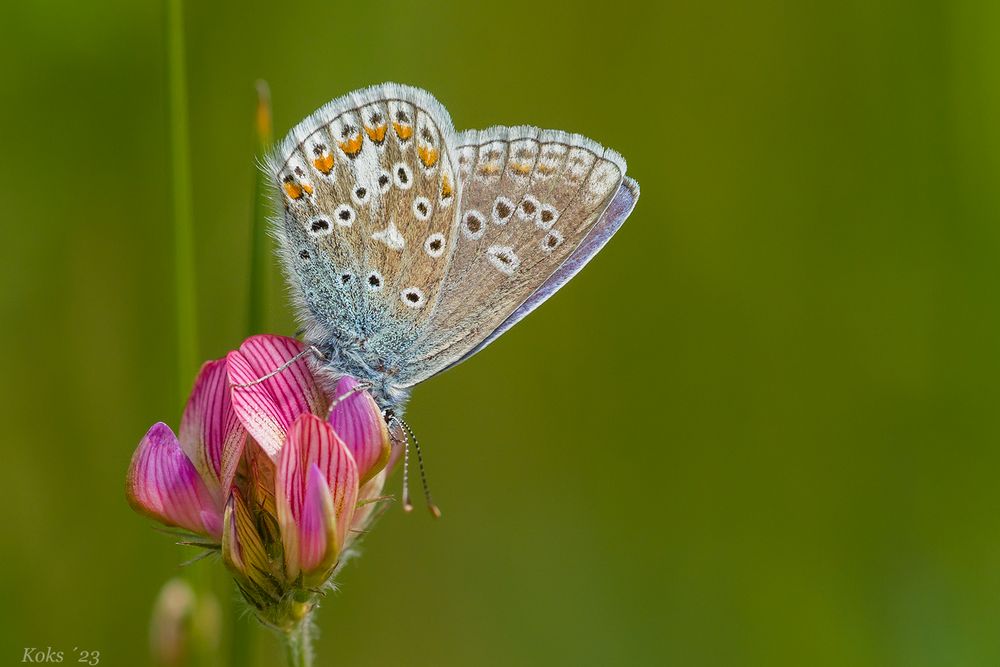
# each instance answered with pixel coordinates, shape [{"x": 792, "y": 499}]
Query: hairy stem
[{"x": 298, "y": 644}]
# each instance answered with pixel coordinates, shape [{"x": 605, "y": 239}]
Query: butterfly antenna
[
  {"x": 311, "y": 349},
  {"x": 407, "y": 505},
  {"x": 423, "y": 473}
]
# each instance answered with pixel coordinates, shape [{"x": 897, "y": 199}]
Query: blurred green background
[{"x": 760, "y": 429}]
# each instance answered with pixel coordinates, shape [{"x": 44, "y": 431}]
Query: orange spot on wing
[
  {"x": 546, "y": 169},
  {"x": 523, "y": 168},
  {"x": 308, "y": 188},
  {"x": 446, "y": 190},
  {"x": 324, "y": 163},
  {"x": 404, "y": 132},
  {"x": 489, "y": 169},
  {"x": 352, "y": 146},
  {"x": 376, "y": 134},
  {"x": 428, "y": 155},
  {"x": 292, "y": 189}
]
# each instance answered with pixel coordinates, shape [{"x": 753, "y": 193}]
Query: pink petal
[
  {"x": 269, "y": 407},
  {"x": 312, "y": 443},
  {"x": 359, "y": 423},
  {"x": 211, "y": 435},
  {"x": 163, "y": 484},
  {"x": 317, "y": 525}
]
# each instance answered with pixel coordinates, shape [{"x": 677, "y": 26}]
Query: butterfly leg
[{"x": 312, "y": 348}]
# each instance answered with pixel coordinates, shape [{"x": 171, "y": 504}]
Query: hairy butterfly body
[{"x": 410, "y": 246}]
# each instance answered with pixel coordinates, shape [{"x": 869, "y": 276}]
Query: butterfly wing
[
  {"x": 409, "y": 247},
  {"x": 533, "y": 209},
  {"x": 367, "y": 187},
  {"x": 612, "y": 218}
]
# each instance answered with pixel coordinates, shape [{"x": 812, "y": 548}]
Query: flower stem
[
  {"x": 260, "y": 242},
  {"x": 298, "y": 644},
  {"x": 184, "y": 276}
]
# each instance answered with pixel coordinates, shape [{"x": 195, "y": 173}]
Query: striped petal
[
  {"x": 211, "y": 435},
  {"x": 316, "y": 491},
  {"x": 317, "y": 524},
  {"x": 268, "y": 407},
  {"x": 358, "y": 421},
  {"x": 163, "y": 484}
]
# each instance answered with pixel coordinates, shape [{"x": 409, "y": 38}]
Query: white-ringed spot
[
  {"x": 384, "y": 182},
  {"x": 547, "y": 216},
  {"x": 413, "y": 297},
  {"x": 434, "y": 245},
  {"x": 422, "y": 208},
  {"x": 551, "y": 241},
  {"x": 503, "y": 208},
  {"x": 318, "y": 226},
  {"x": 473, "y": 225},
  {"x": 503, "y": 258},
  {"x": 344, "y": 215},
  {"x": 360, "y": 194},
  {"x": 528, "y": 208},
  {"x": 402, "y": 176}
]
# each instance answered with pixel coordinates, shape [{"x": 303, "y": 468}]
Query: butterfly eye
[
  {"x": 304, "y": 255},
  {"x": 374, "y": 281},
  {"x": 346, "y": 278},
  {"x": 383, "y": 181},
  {"x": 360, "y": 195}
]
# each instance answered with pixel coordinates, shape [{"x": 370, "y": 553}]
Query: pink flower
[
  {"x": 180, "y": 482},
  {"x": 268, "y": 470}
]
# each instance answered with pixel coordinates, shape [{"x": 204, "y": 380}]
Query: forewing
[{"x": 367, "y": 187}]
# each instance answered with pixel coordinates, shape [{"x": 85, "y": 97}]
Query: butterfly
[{"x": 410, "y": 246}]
